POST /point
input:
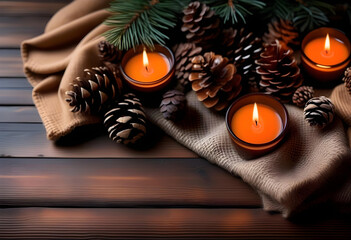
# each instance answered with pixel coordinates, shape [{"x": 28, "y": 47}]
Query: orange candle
[
  {"x": 325, "y": 53},
  {"x": 147, "y": 67},
  {"x": 256, "y": 123},
  {"x": 148, "y": 71}
]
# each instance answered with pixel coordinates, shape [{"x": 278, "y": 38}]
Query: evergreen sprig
[
  {"x": 141, "y": 22},
  {"x": 305, "y": 15},
  {"x": 311, "y": 14},
  {"x": 234, "y": 9}
]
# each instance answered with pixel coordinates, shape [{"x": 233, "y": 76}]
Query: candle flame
[
  {"x": 255, "y": 114},
  {"x": 327, "y": 44},
  {"x": 145, "y": 60}
]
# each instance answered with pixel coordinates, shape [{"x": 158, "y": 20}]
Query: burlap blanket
[{"x": 311, "y": 167}]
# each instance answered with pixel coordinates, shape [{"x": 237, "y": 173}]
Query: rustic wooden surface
[{"x": 95, "y": 189}]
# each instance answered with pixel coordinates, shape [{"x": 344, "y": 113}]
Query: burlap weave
[{"x": 310, "y": 167}]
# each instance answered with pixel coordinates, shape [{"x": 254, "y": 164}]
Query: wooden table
[{"x": 95, "y": 189}]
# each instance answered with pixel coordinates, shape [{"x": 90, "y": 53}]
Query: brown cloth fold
[{"x": 311, "y": 167}]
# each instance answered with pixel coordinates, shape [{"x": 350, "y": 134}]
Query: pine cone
[
  {"x": 280, "y": 75},
  {"x": 243, "y": 48},
  {"x": 347, "y": 79},
  {"x": 319, "y": 111},
  {"x": 95, "y": 91},
  {"x": 109, "y": 53},
  {"x": 173, "y": 105},
  {"x": 126, "y": 121},
  {"x": 200, "y": 24},
  {"x": 184, "y": 52},
  {"x": 284, "y": 31},
  {"x": 215, "y": 81},
  {"x": 302, "y": 95}
]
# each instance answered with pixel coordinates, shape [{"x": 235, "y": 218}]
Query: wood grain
[
  {"x": 21, "y": 8},
  {"x": 15, "y": 91},
  {"x": 120, "y": 182},
  {"x": 174, "y": 223},
  {"x": 18, "y": 83},
  {"x": 11, "y": 97},
  {"x": 11, "y": 63},
  {"x": 29, "y": 140},
  {"x": 14, "y": 30},
  {"x": 23, "y": 114}
]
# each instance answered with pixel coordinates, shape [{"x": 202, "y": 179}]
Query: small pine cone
[
  {"x": 109, "y": 52},
  {"x": 243, "y": 48},
  {"x": 347, "y": 79},
  {"x": 319, "y": 111},
  {"x": 280, "y": 74},
  {"x": 284, "y": 31},
  {"x": 215, "y": 81},
  {"x": 302, "y": 95},
  {"x": 126, "y": 121},
  {"x": 94, "y": 91},
  {"x": 184, "y": 52},
  {"x": 173, "y": 105},
  {"x": 200, "y": 24}
]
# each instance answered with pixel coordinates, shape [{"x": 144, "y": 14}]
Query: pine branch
[
  {"x": 279, "y": 9},
  {"x": 311, "y": 14},
  {"x": 305, "y": 14},
  {"x": 141, "y": 22},
  {"x": 234, "y": 9}
]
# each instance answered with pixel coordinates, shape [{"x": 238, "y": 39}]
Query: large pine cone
[
  {"x": 109, "y": 52},
  {"x": 280, "y": 75},
  {"x": 215, "y": 81},
  {"x": 184, "y": 52},
  {"x": 200, "y": 24},
  {"x": 319, "y": 111},
  {"x": 126, "y": 121},
  {"x": 243, "y": 48},
  {"x": 94, "y": 92},
  {"x": 173, "y": 105},
  {"x": 302, "y": 95},
  {"x": 347, "y": 79},
  {"x": 284, "y": 31}
]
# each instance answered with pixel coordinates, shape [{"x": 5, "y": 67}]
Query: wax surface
[
  {"x": 338, "y": 53},
  {"x": 269, "y": 124},
  {"x": 158, "y": 67}
]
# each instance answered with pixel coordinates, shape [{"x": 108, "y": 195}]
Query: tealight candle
[
  {"x": 325, "y": 53},
  {"x": 148, "y": 71},
  {"x": 257, "y": 122}
]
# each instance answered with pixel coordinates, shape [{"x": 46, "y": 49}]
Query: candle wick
[
  {"x": 256, "y": 122},
  {"x": 147, "y": 69}
]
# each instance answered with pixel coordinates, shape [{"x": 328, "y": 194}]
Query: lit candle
[
  {"x": 325, "y": 53},
  {"x": 257, "y": 122},
  {"x": 148, "y": 71}
]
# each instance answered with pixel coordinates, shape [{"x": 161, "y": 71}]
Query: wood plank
[
  {"x": 20, "y": 83},
  {"x": 91, "y": 142},
  {"x": 14, "y": 30},
  {"x": 31, "y": 7},
  {"x": 11, "y": 63},
  {"x": 10, "y": 97},
  {"x": 24, "y": 114},
  {"x": 120, "y": 182},
  {"x": 15, "y": 91},
  {"x": 178, "y": 223}
]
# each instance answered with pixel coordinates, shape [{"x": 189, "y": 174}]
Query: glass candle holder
[
  {"x": 321, "y": 63},
  {"x": 152, "y": 78},
  {"x": 263, "y": 134}
]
